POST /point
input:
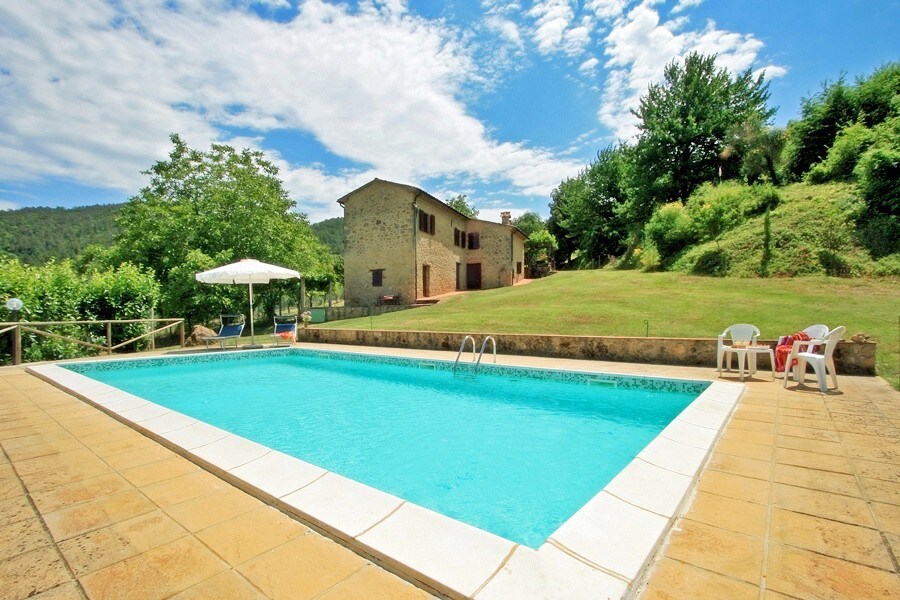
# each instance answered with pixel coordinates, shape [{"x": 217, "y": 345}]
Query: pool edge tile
[{"x": 419, "y": 540}]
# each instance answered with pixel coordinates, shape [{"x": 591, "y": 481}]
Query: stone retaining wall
[
  {"x": 851, "y": 358},
  {"x": 338, "y": 313}
]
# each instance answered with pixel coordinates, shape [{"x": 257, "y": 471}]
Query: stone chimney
[{"x": 504, "y": 217}]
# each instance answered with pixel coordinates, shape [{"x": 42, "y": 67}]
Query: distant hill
[
  {"x": 35, "y": 235},
  {"x": 331, "y": 233}
]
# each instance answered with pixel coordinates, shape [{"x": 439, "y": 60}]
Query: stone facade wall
[
  {"x": 437, "y": 251},
  {"x": 379, "y": 232},
  {"x": 851, "y": 358}
]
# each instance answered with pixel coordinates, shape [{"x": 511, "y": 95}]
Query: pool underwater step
[{"x": 437, "y": 552}]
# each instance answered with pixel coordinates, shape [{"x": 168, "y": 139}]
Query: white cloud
[
  {"x": 506, "y": 29},
  {"x": 552, "y": 18},
  {"x": 92, "y": 94},
  {"x": 606, "y": 9},
  {"x": 8, "y": 205},
  {"x": 685, "y": 4},
  {"x": 639, "y": 47},
  {"x": 589, "y": 66},
  {"x": 771, "y": 72}
]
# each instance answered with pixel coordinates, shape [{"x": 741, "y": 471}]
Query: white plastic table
[{"x": 746, "y": 355}]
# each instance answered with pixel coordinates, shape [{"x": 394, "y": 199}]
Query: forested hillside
[
  {"x": 35, "y": 235},
  {"x": 331, "y": 233}
]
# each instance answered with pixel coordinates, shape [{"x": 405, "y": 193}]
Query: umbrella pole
[{"x": 252, "y": 337}]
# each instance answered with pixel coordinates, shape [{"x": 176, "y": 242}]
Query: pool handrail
[
  {"x": 462, "y": 347},
  {"x": 483, "y": 346}
]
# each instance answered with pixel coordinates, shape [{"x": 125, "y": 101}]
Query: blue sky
[{"x": 499, "y": 100}]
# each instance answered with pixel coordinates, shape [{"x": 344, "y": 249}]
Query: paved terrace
[{"x": 800, "y": 499}]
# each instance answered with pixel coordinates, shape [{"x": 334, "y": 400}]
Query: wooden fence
[{"x": 18, "y": 328}]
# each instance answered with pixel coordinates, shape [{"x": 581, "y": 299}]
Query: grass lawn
[{"x": 675, "y": 305}]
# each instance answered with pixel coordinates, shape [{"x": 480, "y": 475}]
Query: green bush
[
  {"x": 717, "y": 208},
  {"x": 879, "y": 183},
  {"x": 849, "y": 145},
  {"x": 670, "y": 230},
  {"x": 712, "y": 262}
]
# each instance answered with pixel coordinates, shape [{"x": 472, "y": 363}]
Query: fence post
[
  {"x": 181, "y": 332},
  {"x": 152, "y": 327},
  {"x": 109, "y": 338},
  {"x": 17, "y": 345}
]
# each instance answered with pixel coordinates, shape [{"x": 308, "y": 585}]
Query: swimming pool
[
  {"x": 513, "y": 455},
  {"x": 597, "y": 552}
]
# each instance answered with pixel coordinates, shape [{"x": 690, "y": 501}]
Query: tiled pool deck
[{"x": 800, "y": 499}]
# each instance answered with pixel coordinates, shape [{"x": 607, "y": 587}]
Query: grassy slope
[
  {"x": 809, "y": 220},
  {"x": 618, "y": 302}
]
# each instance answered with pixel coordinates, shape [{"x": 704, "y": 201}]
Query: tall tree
[
  {"x": 460, "y": 203},
  {"x": 684, "y": 123},
  {"x": 211, "y": 208},
  {"x": 529, "y": 222}
]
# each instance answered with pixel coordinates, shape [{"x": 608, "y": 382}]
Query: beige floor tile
[
  {"x": 47, "y": 462},
  {"x": 825, "y": 481},
  {"x": 738, "y": 465},
  {"x": 182, "y": 488},
  {"x": 728, "y": 513},
  {"x": 302, "y": 568},
  {"x": 803, "y": 413},
  {"x": 809, "y": 445},
  {"x": 809, "y": 433},
  {"x": 227, "y": 585},
  {"x": 101, "y": 548},
  {"x": 753, "y": 414},
  {"x": 824, "y": 424},
  {"x": 888, "y": 517},
  {"x": 10, "y": 487},
  {"x": 750, "y": 437},
  {"x": 839, "y": 540},
  {"x": 44, "y": 448},
  {"x": 158, "y": 573},
  {"x": 66, "y": 496},
  {"x": 757, "y": 426},
  {"x": 879, "y": 490},
  {"x": 374, "y": 583},
  {"x": 734, "y": 486},
  {"x": 803, "y": 574},
  {"x": 876, "y": 470},
  {"x": 49, "y": 434},
  {"x": 725, "y": 552},
  {"x": 28, "y": 574},
  {"x": 45, "y": 480},
  {"x": 66, "y": 591},
  {"x": 744, "y": 449},
  {"x": 251, "y": 534},
  {"x": 94, "y": 514},
  {"x": 813, "y": 460},
  {"x": 882, "y": 451},
  {"x": 675, "y": 580},
  {"x": 205, "y": 511},
  {"x": 159, "y": 471},
  {"x": 150, "y": 453},
  {"x": 836, "y": 507},
  {"x": 15, "y": 509},
  {"x": 21, "y": 537}
]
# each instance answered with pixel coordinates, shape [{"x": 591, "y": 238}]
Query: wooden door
[
  {"x": 473, "y": 276},
  {"x": 426, "y": 280}
]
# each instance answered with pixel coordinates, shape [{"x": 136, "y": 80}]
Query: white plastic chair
[
  {"x": 742, "y": 333},
  {"x": 822, "y": 364}
]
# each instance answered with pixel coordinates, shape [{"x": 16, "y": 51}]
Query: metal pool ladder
[
  {"x": 483, "y": 346},
  {"x": 462, "y": 347}
]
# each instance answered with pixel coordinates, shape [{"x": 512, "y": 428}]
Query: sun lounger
[
  {"x": 231, "y": 329},
  {"x": 285, "y": 332}
]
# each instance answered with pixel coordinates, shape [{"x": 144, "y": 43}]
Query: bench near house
[{"x": 402, "y": 244}]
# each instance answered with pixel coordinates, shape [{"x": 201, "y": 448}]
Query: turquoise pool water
[{"x": 514, "y": 455}]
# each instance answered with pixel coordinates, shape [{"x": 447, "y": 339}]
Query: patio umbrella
[{"x": 249, "y": 271}]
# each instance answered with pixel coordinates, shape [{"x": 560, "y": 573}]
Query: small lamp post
[{"x": 14, "y": 305}]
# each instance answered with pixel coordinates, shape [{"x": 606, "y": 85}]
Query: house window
[
  {"x": 474, "y": 241},
  {"x": 519, "y": 268},
  {"x": 459, "y": 238},
  {"x": 426, "y": 222},
  {"x": 377, "y": 277}
]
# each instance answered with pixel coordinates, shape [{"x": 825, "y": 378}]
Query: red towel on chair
[{"x": 783, "y": 349}]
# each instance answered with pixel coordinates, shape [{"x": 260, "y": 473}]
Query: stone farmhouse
[{"x": 403, "y": 245}]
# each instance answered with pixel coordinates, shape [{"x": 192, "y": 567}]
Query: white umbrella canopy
[{"x": 249, "y": 271}]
